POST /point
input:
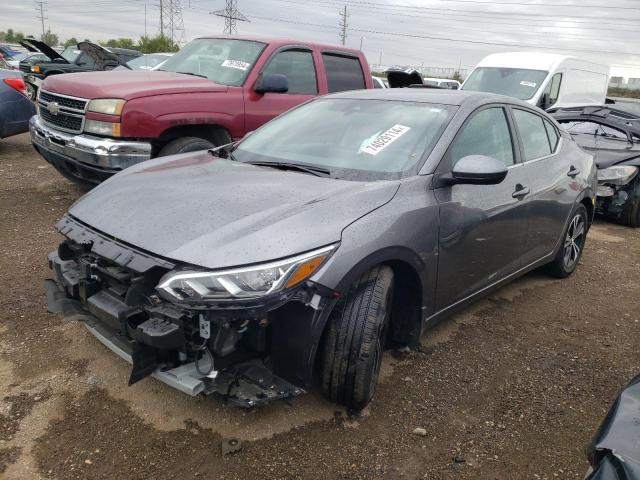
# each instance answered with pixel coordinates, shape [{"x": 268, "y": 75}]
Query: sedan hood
[
  {"x": 128, "y": 84},
  {"x": 215, "y": 213}
]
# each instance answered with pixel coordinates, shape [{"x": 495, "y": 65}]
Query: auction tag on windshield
[
  {"x": 237, "y": 64},
  {"x": 385, "y": 139},
  {"x": 528, "y": 84}
]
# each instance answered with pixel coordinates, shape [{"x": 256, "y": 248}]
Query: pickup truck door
[{"x": 298, "y": 64}]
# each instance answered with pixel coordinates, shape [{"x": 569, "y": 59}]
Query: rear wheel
[
  {"x": 185, "y": 145},
  {"x": 355, "y": 339},
  {"x": 32, "y": 92},
  {"x": 575, "y": 235}
]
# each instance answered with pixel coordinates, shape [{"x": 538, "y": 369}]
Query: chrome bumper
[{"x": 94, "y": 151}]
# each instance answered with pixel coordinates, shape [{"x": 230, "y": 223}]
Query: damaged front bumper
[{"x": 109, "y": 286}]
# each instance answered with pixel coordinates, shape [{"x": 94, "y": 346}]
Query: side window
[
  {"x": 533, "y": 134},
  {"x": 298, "y": 66},
  {"x": 551, "y": 92},
  {"x": 552, "y": 133},
  {"x": 343, "y": 73},
  {"x": 85, "y": 60},
  {"x": 486, "y": 133},
  {"x": 555, "y": 88}
]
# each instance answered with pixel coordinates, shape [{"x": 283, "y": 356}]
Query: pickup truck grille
[
  {"x": 25, "y": 67},
  {"x": 61, "y": 111}
]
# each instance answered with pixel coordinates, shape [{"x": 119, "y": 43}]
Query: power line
[
  {"x": 573, "y": 5},
  {"x": 40, "y": 9},
  {"x": 448, "y": 39},
  {"x": 343, "y": 25},
  {"x": 171, "y": 22},
  {"x": 231, "y": 16}
]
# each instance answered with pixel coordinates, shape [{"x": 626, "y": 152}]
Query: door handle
[
  {"x": 573, "y": 172},
  {"x": 520, "y": 192}
]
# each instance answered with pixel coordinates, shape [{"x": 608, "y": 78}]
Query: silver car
[{"x": 352, "y": 222}]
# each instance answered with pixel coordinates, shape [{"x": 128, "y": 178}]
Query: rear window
[{"x": 343, "y": 73}]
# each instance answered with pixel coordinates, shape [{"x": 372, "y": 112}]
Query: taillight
[{"x": 17, "y": 84}]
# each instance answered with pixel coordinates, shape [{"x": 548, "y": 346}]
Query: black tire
[
  {"x": 32, "y": 91},
  {"x": 631, "y": 215},
  {"x": 355, "y": 339},
  {"x": 184, "y": 145},
  {"x": 572, "y": 246}
]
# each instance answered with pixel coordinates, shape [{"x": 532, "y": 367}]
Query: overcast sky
[{"x": 407, "y": 32}]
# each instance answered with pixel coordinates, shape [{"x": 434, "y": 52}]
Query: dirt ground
[{"x": 512, "y": 388}]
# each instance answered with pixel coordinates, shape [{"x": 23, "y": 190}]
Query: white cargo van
[{"x": 542, "y": 79}]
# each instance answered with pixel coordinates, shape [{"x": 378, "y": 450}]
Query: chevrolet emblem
[{"x": 53, "y": 107}]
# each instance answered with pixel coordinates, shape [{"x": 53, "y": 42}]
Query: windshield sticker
[
  {"x": 237, "y": 64},
  {"x": 528, "y": 84},
  {"x": 382, "y": 141}
]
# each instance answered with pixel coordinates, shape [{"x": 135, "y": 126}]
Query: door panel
[
  {"x": 299, "y": 67},
  {"x": 552, "y": 188},
  {"x": 482, "y": 235},
  {"x": 483, "y": 228}
]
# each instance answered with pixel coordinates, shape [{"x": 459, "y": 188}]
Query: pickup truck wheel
[
  {"x": 355, "y": 339},
  {"x": 573, "y": 240},
  {"x": 184, "y": 145}
]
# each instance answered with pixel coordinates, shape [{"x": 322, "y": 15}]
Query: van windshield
[{"x": 513, "y": 82}]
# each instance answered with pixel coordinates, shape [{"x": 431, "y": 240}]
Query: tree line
[{"x": 145, "y": 44}]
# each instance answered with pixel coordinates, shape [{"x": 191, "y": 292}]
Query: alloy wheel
[{"x": 574, "y": 241}]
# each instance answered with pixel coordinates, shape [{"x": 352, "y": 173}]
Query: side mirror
[
  {"x": 545, "y": 101},
  {"x": 274, "y": 83},
  {"x": 479, "y": 170}
]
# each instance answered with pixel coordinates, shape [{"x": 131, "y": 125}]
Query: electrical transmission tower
[
  {"x": 40, "y": 9},
  {"x": 343, "y": 25},
  {"x": 171, "y": 23},
  {"x": 231, "y": 15}
]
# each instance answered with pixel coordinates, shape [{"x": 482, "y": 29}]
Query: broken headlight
[
  {"x": 242, "y": 283},
  {"x": 618, "y": 175}
]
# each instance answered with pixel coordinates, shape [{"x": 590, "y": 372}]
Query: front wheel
[
  {"x": 32, "y": 92},
  {"x": 573, "y": 240},
  {"x": 355, "y": 339},
  {"x": 631, "y": 215},
  {"x": 185, "y": 145}
]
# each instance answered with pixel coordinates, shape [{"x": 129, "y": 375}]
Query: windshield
[
  {"x": 513, "y": 82},
  {"x": 224, "y": 61},
  {"x": 147, "y": 62},
  {"x": 21, "y": 56},
  {"x": 352, "y": 139},
  {"x": 70, "y": 54}
]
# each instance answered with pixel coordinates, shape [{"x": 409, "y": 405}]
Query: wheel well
[
  {"x": 588, "y": 204},
  {"x": 216, "y": 134},
  {"x": 406, "y": 310}
]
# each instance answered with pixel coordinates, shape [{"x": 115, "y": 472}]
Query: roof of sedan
[{"x": 428, "y": 95}]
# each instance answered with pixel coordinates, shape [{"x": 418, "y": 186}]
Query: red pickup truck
[{"x": 216, "y": 89}]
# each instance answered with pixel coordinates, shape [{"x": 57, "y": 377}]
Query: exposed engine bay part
[
  {"x": 612, "y": 135},
  {"x": 112, "y": 289}
]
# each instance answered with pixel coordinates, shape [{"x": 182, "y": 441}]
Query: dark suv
[{"x": 87, "y": 57}]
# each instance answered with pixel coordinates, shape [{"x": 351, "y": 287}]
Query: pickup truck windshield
[
  {"x": 513, "y": 82},
  {"x": 224, "y": 61},
  {"x": 352, "y": 139}
]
